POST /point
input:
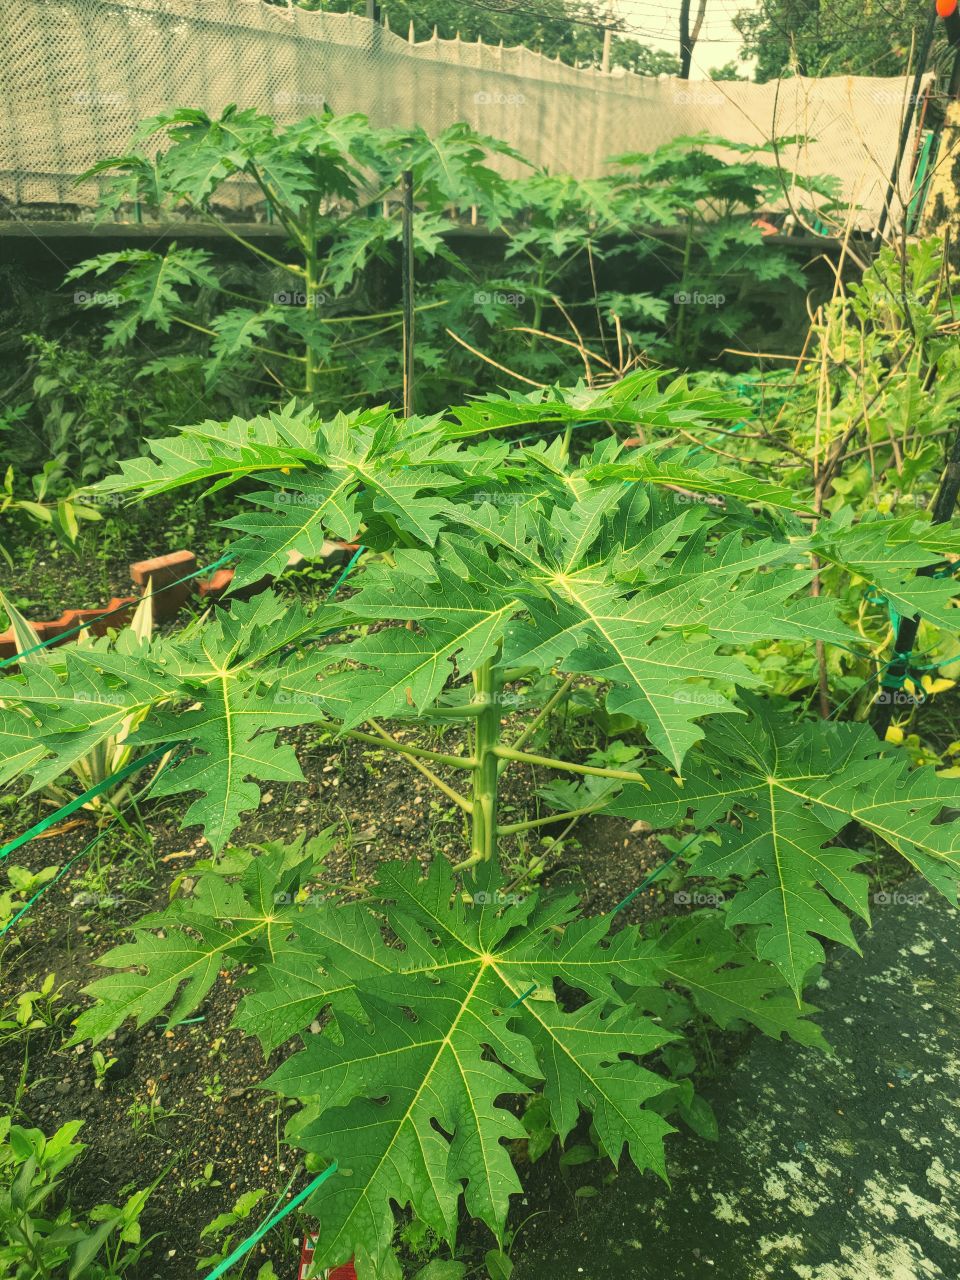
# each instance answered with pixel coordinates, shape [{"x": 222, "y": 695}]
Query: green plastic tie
[
  {"x": 59, "y": 876},
  {"x": 653, "y": 875},
  {"x": 520, "y": 999},
  {"x": 741, "y": 423},
  {"x": 80, "y": 800},
  {"x": 340, "y": 581},
  {"x": 108, "y": 613},
  {"x": 272, "y": 1221},
  {"x": 136, "y": 764}
]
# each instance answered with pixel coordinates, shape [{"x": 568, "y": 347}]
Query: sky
[{"x": 657, "y": 23}]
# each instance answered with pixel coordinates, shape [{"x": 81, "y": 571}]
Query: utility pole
[{"x": 605, "y": 57}]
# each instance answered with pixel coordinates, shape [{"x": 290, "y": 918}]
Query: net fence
[{"x": 77, "y": 76}]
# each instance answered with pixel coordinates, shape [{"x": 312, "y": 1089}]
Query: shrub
[{"x": 651, "y": 572}]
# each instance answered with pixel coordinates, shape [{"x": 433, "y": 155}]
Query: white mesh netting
[{"x": 78, "y": 75}]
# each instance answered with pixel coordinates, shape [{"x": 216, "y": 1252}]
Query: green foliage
[
  {"x": 31, "y": 1010},
  {"x": 39, "y": 1239},
  {"x": 62, "y": 514},
  {"x": 331, "y": 183},
  {"x": 88, "y": 408},
  {"x": 833, "y": 38},
  {"x": 667, "y": 581},
  {"x": 412, "y": 1025},
  {"x": 98, "y": 757},
  {"x": 321, "y": 177},
  {"x": 725, "y": 272},
  {"x": 222, "y": 1225},
  {"x": 865, "y": 423}
]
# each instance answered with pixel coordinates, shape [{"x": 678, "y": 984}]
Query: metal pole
[
  {"x": 943, "y": 509},
  {"x": 406, "y": 270}
]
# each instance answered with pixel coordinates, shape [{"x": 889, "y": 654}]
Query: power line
[{"x": 616, "y": 26}]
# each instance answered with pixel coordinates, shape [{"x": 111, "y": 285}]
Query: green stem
[
  {"x": 592, "y": 771},
  {"x": 382, "y": 315},
  {"x": 538, "y": 303},
  {"x": 228, "y": 231},
  {"x": 539, "y": 718},
  {"x": 311, "y": 267},
  {"x": 687, "y": 251},
  {"x": 468, "y": 711},
  {"x": 391, "y": 744},
  {"x": 512, "y": 827},
  {"x": 488, "y": 682},
  {"x": 460, "y": 801}
]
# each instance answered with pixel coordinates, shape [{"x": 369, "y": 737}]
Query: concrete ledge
[{"x": 828, "y": 1168}]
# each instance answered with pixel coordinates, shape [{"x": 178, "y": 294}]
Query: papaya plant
[
  {"x": 693, "y": 203},
  {"x": 331, "y": 183},
  {"x": 446, "y": 1002}
]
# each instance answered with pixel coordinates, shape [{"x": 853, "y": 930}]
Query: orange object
[
  {"x": 768, "y": 228},
  {"x": 946, "y": 7}
]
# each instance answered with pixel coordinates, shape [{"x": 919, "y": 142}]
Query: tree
[
  {"x": 831, "y": 37},
  {"x": 689, "y": 35},
  {"x": 559, "y": 28},
  {"x": 729, "y": 71}
]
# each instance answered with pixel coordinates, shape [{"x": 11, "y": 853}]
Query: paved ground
[{"x": 843, "y": 1168}]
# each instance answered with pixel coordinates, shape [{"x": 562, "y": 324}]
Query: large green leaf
[
  {"x": 442, "y": 1008},
  {"x": 792, "y": 788},
  {"x": 888, "y": 553},
  {"x": 217, "y": 688}
]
